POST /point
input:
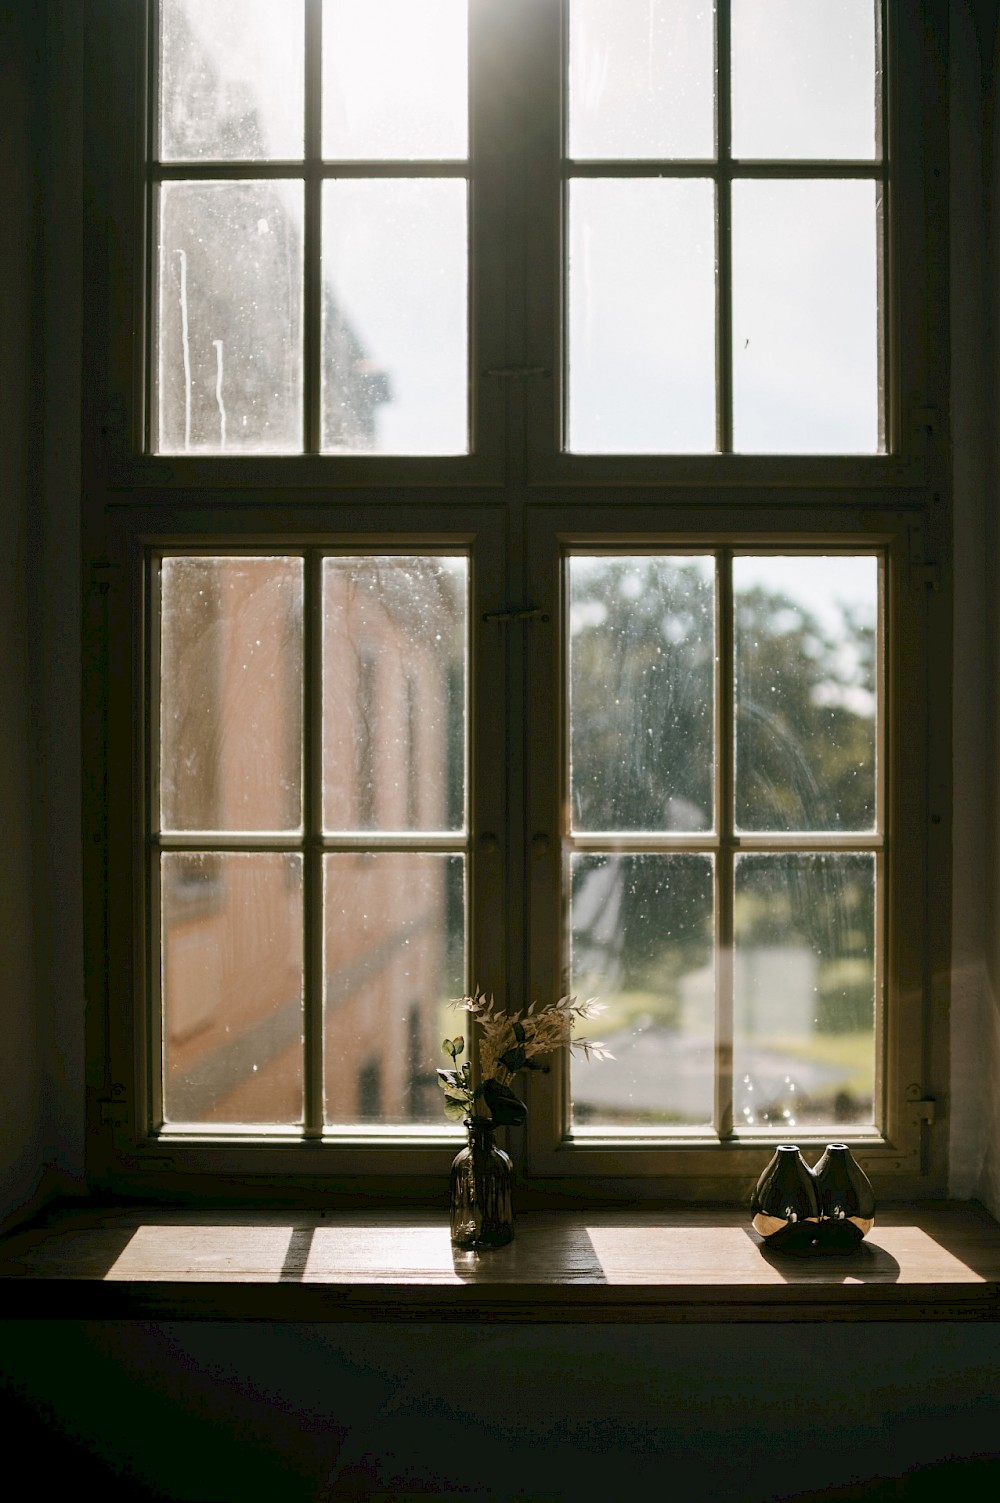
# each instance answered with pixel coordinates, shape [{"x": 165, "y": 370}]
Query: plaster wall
[{"x": 22, "y": 1146}]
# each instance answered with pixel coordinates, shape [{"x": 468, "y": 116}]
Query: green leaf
[
  {"x": 455, "y": 1111},
  {"x": 449, "y": 1047},
  {"x": 448, "y": 1078},
  {"x": 458, "y": 1044},
  {"x": 506, "y": 1109}
]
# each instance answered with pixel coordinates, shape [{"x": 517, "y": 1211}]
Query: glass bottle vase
[{"x": 482, "y": 1177}]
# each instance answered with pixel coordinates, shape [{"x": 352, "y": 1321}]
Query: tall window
[{"x": 522, "y": 580}]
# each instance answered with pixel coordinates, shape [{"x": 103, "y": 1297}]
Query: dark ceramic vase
[
  {"x": 482, "y": 1178},
  {"x": 846, "y": 1199},
  {"x": 784, "y": 1209}
]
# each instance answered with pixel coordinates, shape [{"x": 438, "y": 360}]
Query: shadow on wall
[{"x": 250, "y": 1411}]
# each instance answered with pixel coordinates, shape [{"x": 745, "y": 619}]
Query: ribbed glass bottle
[{"x": 482, "y": 1181}]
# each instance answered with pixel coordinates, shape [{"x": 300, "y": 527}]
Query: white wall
[{"x": 975, "y": 276}]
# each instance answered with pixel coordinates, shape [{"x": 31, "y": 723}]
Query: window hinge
[
  {"x": 103, "y": 575},
  {"x": 925, "y": 1109}
]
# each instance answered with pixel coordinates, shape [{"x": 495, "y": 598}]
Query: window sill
[{"x": 936, "y": 1260}]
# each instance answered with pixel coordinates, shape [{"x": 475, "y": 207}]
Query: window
[{"x": 517, "y": 541}]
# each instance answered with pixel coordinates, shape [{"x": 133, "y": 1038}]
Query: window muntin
[
  {"x": 777, "y": 128},
  {"x": 738, "y": 952},
  {"x": 311, "y": 846}
]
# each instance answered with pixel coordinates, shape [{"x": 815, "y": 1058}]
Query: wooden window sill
[{"x": 937, "y": 1261}]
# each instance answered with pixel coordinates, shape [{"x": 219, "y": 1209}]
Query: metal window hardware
[
  {"x": 525, "y": 613},
  {"x": 514, "y": 371},
  {"x": 517, "y": 613},
  {"x": 103, "y": 575}
]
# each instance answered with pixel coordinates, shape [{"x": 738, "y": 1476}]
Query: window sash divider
[{"x": 312, "y": 874}]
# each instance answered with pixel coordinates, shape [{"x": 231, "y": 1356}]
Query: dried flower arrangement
[{"x": 509, "y": 1043}]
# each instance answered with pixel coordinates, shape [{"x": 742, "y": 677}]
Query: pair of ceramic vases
[{"x": 826, "y": 1209}]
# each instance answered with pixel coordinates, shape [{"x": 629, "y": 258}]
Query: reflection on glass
[
  {"x": 804, "y": 78},
  {"x": 394, "y": 676},
  {"x": 641, "y": 79},
  {"x": 395, "y": 317},
  {"x": 642, "y": 659},
  {"x": 641, "y": 939},
  {"x": 806, "y": 719},
  {"x": 805, "y": 317},
  {"x": 230, "y": 694},
  {"x": 395, "y": 79},
  {"x": 231, "y": 80},
  {"x": 232, "y": 988},
  {"x": 229, "y": 318},
  {"x": 804, "y": 991},
  {"x": 394, "y": 954},
  {"x": 641, "y": 316}
]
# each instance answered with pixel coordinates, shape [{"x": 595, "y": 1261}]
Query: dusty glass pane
[
  {"x": 806, "y": 685},
  {"x": 641, "y": 79},
  {"x": 232, "y": 987},
  {"x": 395, "y": 316},
  {"x": 804, "y": 991},
  {"x": 805, "y": 317},
  {"x": 641, "y": 941},
  {"x": 231, "y": 694},
  {"x": 395, "y": 79},
  {"x": 395, "y": 639},
  {"x": 394, "y": 957},
  {"x": 641, "y": 316},
  {"x": 231, "y": 80},
  {"x": 641, "y": 669},
  {"x": 229, "y": 318},
  {"x": 804, "y": 78}
]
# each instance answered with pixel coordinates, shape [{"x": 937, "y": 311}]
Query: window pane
[
  {"x": 232, "y": 988},
  {"x": 641, "y": 78},
  {"x": 231, "y": 694},
  {"x": 805, "y": 317},
  {"x": 804, "y": 79},
  {"x": 806, "y": 684},
  {"x": 394, "y": 957},
  {"x": 642, "y": 942},
  {"x": 641, "y": 316},
  {"x": 642, "y": 664},
  {"x": 395, "y": 79},
  {"x": 804, "y": 991},
  {"x": 394, "y": 693},
  {"x": 395, "y": 316},
  {"x": 231, "y": 80},
  {"x": 230, "y": 317}
]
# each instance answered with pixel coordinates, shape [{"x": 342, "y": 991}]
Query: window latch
[
  {"x": 505, "y": 372},
  {"x": 518, "y": 613}
]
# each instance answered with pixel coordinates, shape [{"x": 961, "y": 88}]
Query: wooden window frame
[{"x": 513, "y": 502}]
